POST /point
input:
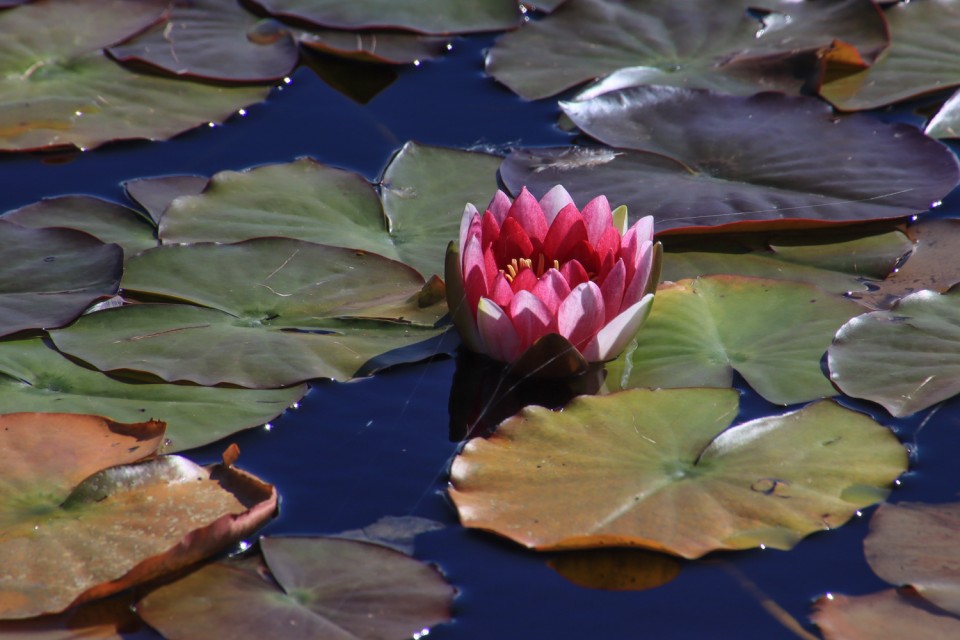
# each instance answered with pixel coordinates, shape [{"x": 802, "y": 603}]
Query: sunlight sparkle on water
[
  {"x": 423, "y": 633},
  {"x": 268, "y": 427}
]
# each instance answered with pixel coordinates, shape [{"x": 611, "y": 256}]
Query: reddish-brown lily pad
[
  {"x": 49, "y": 276},
  {"x": 393, "y": 47},
  {"x": 886, "y": 615},
  {"x": 616, "y": 569},
  {"x": 661, "y": 469},
  {"x": 75, "y": 537},
  {"x": 322, "y": 587}
]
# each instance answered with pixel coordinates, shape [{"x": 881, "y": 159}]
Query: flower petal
[
  {"x": 499, "y": 206},
  {"x": 574, "y": 273},
  {"x": 461, "y": 313},
  {"x": 607, "y": 251},
  {"x": 554, "y": 200},
  {"x": 501, "y": 291},
  {"x": 567, "y": 231},
  {"x": 637, "y": 282},
  {"x": 469, "y": 213},
  {"x": 474, "y": 272},
  {"x": 526, "y": 210},
  {"x": 499, "y": 338},
  {"x": 614, "y": 338},
  {"x": 531, "y": 318},
  {"x": 489, "y": 230},
  {"x": 598, "y": 218},
  {"x": 612, "y": 290},
  {"x": 551, "y": 289},
  {"x": 581, "y": 314},
  {"x": 641, "y": 231},
  {"x": 513, "y": 243},
  {"x": 525, "y": 280}
]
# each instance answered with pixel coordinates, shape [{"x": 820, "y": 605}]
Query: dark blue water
[{"x": 353, "y": 453}]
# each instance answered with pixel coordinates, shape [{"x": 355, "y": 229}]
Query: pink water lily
[{"x": 526, "y": 270}]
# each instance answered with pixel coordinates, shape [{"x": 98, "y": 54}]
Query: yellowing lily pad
[
  {"x": 75, "y": 537},
  {"x": 35, "y": 377},
  {"x": 323, "y": 588},
  {"x": 906, "y": 359},
  {"x": 660, "y": 469},
  {"x": 49, "y": 276},
  {"x": 392, "y": 47},
  {"x": 882, "y": 616},
  {"x": 772, "y": 332}
]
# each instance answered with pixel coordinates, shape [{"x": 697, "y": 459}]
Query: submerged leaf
[{"x": 660, "y": 469}]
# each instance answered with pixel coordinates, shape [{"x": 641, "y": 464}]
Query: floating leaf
[
  {"x": 59, "y": 89},
  {"x": 122, "y": 526},
  {"x": 946, "y": 122},
  {"x": 887, "y": 615},
  {"x": 332, "y": 589},
  {"x": 769, "y": 159},
  {"x": 924, "y": 56},
  {"x": 905, "y": 359},
  {"x": 660, "y": 469},
  {"x": 394, "y": 47},
  {"x": 49, "y": 276},
  {"x": 396, "y": 532},
  {"x": 616, "y": 569},
  {"x": 424, "y": 16},
  {"x": 214, "y": 40},
  {"x": 34, "y": 377},
  {"x": 109, "y": 619},
  {"x": 916, "y": 544},
  {"x": 156, "y": 194},
  {"x": 696, "y": 43},
  {"x": 107, "y": 221},
  {"x": 771, "y": 332}
]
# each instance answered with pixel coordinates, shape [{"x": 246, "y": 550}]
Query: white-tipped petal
[
  {"x": 614, "y": 338},
  {"x": 469, "y": 212},
  {"x": 554, "y": 200},
  {"x": 499, "y": 338}
]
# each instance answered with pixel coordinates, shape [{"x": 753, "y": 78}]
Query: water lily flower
[{"x": 545, "y": 277}]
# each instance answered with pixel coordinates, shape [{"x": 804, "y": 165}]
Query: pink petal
[
  {"x": 614, "y": 338},
  {"x": 598, "y": 218},
  {"x": 499, "y": 338},
  {"x": 531, "y": 318},
  {"x": 637, "y": 283},
  {"x": 607, "y": 251},
  {"x": 581, "y": 314},
  {"x": 526, "y": 280},
  {"x": 469, "y": 213},
  {"x": 551, "y": 289},
  {"x": 574, "y": 273},
  {"x": 489, "y": 230},
  {"x": 612, "y": 290},
  {"x": 526, "y": 210},
  {"x": 513, "y": 243},
  {"x": 554, "y": 200},
  {"x": 499, "y": 206},
  {"x": 501, "y": 292},
  {"x": 474, "y": 273},
  {"x": 567, "y": 230},
  {"x": 634, "y": 237}
]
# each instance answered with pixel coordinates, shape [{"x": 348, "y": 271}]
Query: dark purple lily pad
[
  {"x": 156, "y": 194},
  {"x": 215, "y": 40},
  {"x": 924, "y": 56},
  {"x": 421, "y": 16},
  {"x": 695, "y": 43},
  {"x": 322, "y": 587},
  {"x": 393, "y": 47},
  {"x": 695, "y": 158},
  {"x": 49, "y": 276}
]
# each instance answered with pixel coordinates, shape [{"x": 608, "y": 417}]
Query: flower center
[{"x": 517, "y": 265}]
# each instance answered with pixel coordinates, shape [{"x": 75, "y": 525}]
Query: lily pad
[
  {"x": 119, "y": 527},
  {"x": 49, "y": 276},
  {"x": 946, "y": 122},
  {"x": 324, "y": 588},
  {"x": 924, "y": 56},
  {"x": 35, "y": 377},
  {"x": 156, "y": 194},
  {"x": 771, "y": 332},
  {"x": 661, "y": 470},
  {"x": 107, "y": 221},
  {"x": 906, "y": 359},
  {"x": 769, "y": 159},
  {"x": 735, "y": 47},
  {"x": 59, "y": 89},
  {"x": 882, "y": 616},
  {"x": 423, "y": 16},
  {"x": 916, "y": 544},
  {"x": 392, "y": 47},
  {"x": 109, "y": 619},
  {"x": 214, "y": 40}
]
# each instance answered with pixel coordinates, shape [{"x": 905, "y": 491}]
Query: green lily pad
[
  {"x": 34, "y": 377},
  {"x": 214, "y": 40},
  {"x": 916, "y": 544},
  {"x": 107, "y": 221},
  {"x": 309, "y": 201},
  {"x": 49, "y": 276},
  {"x": 906, "y": 359},
  {"x": 771, "y": 332},
  {"x": 122, "y": 525},
  {"x": 59, "y": 89},
  {"x": 392, "y": 47},
  {"x": 882, "y": 616},
  {"x": 924, "y": 56},
  {"x": 695, "y": 43},
  {"x": 324, "y": 588},
  {"x": 423, "y": 16},
  {"x": 156, "y": 194},
  {"x": 711, "y": 160},
  {"x": 660, "y": 469},
  {"x": 946, "y": 122}
]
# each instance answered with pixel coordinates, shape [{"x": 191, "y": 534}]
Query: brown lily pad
[{"x": 887, "y": 615}]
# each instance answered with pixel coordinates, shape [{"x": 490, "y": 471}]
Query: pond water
[{"x": 356, "y": 452}]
